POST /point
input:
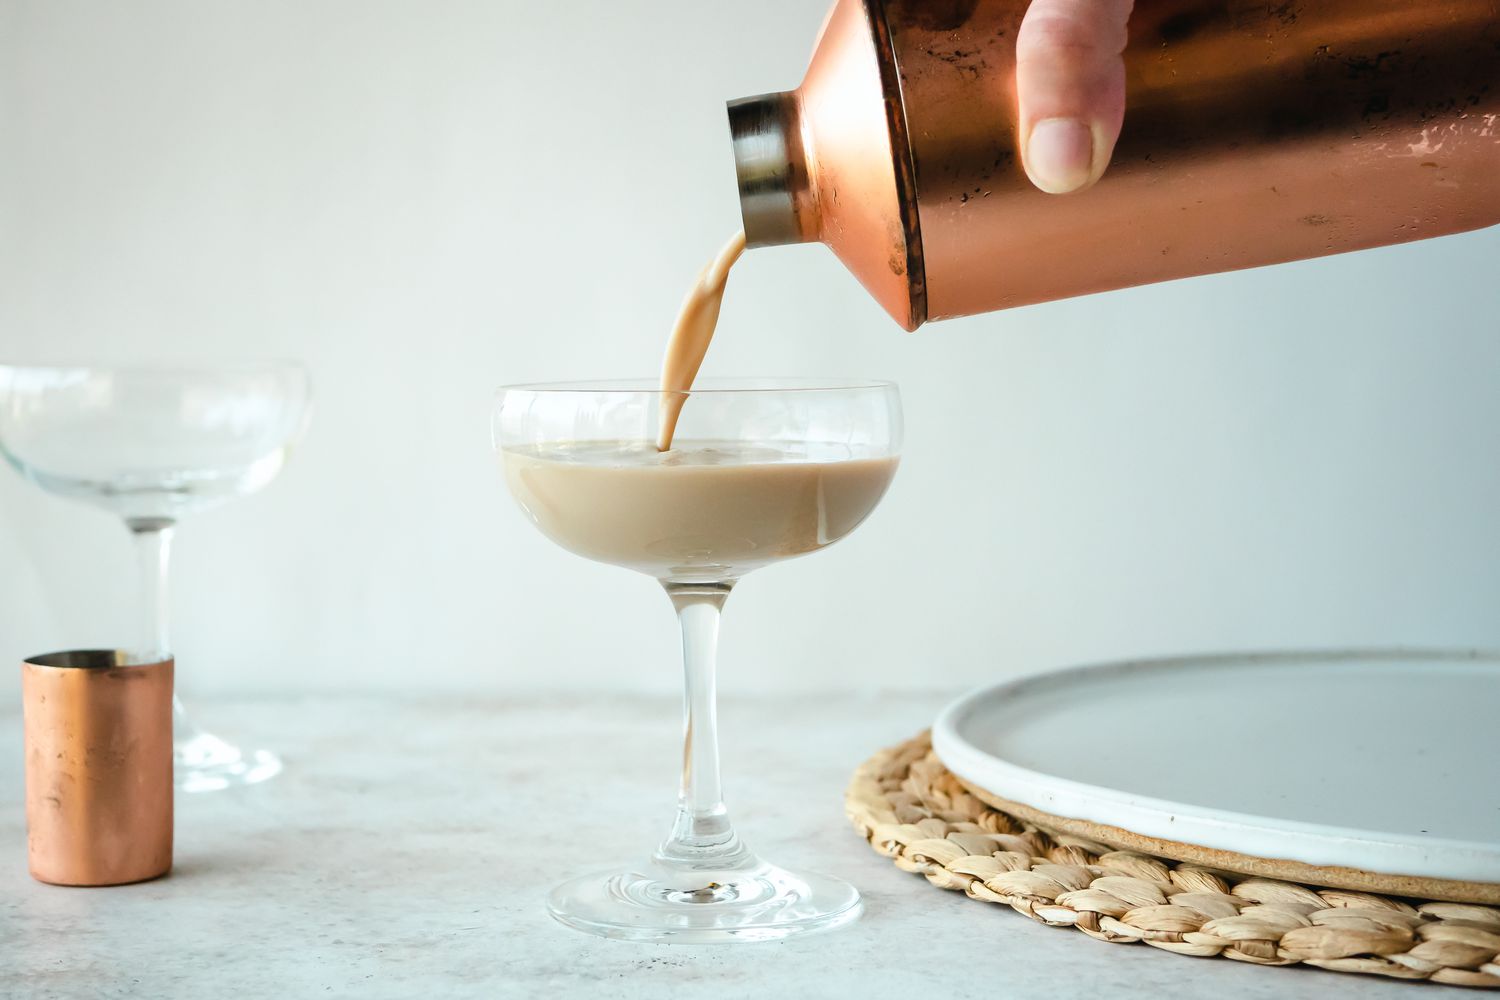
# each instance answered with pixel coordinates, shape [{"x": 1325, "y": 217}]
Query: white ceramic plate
[{"x": 1386, "y": 761}]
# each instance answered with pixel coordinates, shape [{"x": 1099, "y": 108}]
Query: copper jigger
[{"x": 98, "y": 767}]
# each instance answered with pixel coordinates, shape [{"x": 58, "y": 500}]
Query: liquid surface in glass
[{"x": 706, "y": 510}]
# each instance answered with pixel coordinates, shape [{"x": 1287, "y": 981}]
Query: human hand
[{"x": 1070, "y": 80}]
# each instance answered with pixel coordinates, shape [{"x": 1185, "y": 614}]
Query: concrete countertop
[{"x": 408, "y": 846}]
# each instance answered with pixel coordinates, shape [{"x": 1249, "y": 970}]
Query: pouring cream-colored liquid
[
  {"x": 695, "y": 511},
  {"x": 705, "y": 511},
  {"x": 691, "y": 336}
]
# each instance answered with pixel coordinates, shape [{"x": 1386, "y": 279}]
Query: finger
[{"x": 1070, "y": 80}]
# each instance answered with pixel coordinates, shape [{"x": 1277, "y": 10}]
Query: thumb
[{"x": 1070, "y": 81}]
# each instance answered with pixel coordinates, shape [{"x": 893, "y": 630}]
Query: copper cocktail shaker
[{"x": 1254, "y": 133}]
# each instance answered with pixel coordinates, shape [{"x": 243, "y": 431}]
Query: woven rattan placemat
[{"x": 913, "y": 811}]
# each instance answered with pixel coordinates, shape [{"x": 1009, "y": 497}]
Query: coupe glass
[
  {"x": 152, "y": 445},
  {"x": 759, "y": 472}
]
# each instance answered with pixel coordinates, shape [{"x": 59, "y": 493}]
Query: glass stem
[
  {"x": 153, "y": 544},
  {"x": 702, "y": 840}
]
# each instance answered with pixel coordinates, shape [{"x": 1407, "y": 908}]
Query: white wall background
[{"x": 425, "y": 200}]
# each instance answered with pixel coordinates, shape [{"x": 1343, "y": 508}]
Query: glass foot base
[
  {"x": 760, "y": 903},
  {"x": 205, "y": 763}
]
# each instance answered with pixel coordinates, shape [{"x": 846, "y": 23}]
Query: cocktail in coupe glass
[
  {"x": 151, "y": 445},
  {"x": 760, "y": 471}
]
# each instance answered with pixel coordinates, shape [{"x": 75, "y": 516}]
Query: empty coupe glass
[
  {"x": 759, "y": 472},
  {"x": 152, "y": 445}
]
